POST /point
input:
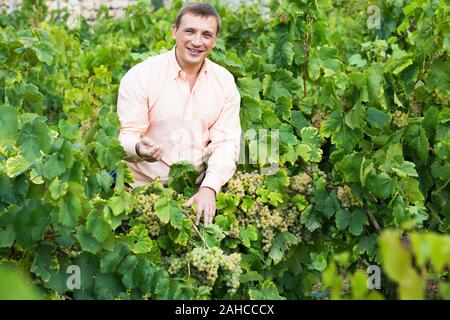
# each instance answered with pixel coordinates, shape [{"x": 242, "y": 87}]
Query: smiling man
[{"x": 180, "y": 106}]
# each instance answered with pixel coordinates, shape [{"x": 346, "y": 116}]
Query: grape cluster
[
  {"x": 175, "y": 264},
  {"x": 399, "y": 119},
  {"x": 145, "y": 208},
  {"x": 415, "y": 107},
  {"x": 345, "y": 196},
  {"x": 235, "y": 186},
  {"x": 245, "y": 182},
  {"x": 302, "y": 183},
  {"x": 232, "y": 264},
  {"x": 208, "y": 261},
  {"x": 315, "y": 171},
  {"x": 234, "y": 229},
  {"x": 270, "y": 222}
]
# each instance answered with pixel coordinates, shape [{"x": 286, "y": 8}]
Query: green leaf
[
  {"x": 251, "y": 111},
  {"x": 277, "y": 182},
  {"x": 357, "y": 61},
  {"x": 377, "y": 118},
  {"x": 69, "y": 212},
  {"x": 319, "y": 260},
  {"x": 265, "y": 291},
  {"x": 7, "y": 236},
  {"x": 213, "y": 235},
  {"x": 251, "y": 276},
  {"x": 411, "y": 190},
  {"x": 310, "y": 219},
  {"x": 98, "y": 226},
  {"x": 331, "y": 205},
  {"x": 341, "y": 135},
  {"x": 107, "y": 286},
  {"x": 406, "y": 169},
  {"x": 250, "y": 87},
  {"x": 182, "y": 176},
  {"x": 357, "y": 220},
  {"x": 356, "y": 117},
  {"x": 248, "y": 234},
  {"x": 163, "y": 209},
  {"x": 57, "y": 188},
  {"x": 17, "y": 165},
  {"x": 8, "y": 123},
  {"x": 44, "y": 261},
  {"x": 342, "y": 219},
  {"x": 380, "y": 185},
  {"x": 33, "y": 138},
  {"x": 116, "y": 204},
  {"x": 111, "y": 260},
  {"x": 281, "y": 243},
  {"x": 397, "y": 265},
  {"x": 87, "y": 242},
  {"x": 53, "y": 167},
  {"x": 141, "y": 240}
]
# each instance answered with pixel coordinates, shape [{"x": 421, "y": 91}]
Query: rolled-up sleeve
[
  {"x": 132, "y": 108},
  {"x": 224, "y": 147}
]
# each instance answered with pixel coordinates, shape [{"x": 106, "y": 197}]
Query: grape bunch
[
  {"x": 175, "y": 264},
  {"x": 302, "y": 183},
  {"x": 345, "y": 196},
  {"x": 145, "y": 205},
  {"x": 270, "y": 222},
  {"x": 315, "y": 171},
  {"x": 208, "y": 261},
  {"x": 245, "y": 182},
  {"x": 234, "y": 229},
  {"x": 399, "y": 119},
  {"x": 232, "y": 265},
  {"x": 415, "y": 107}
]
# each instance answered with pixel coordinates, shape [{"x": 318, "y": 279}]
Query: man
[{"x": 180, "y": 106}]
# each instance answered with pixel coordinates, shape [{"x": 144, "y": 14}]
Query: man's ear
[{"x": 174, "y": 30}]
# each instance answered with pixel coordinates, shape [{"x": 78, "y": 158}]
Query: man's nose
[{"x": 197, "y": 40}]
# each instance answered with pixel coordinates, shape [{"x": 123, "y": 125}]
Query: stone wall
[{"x": 89, "y": 8}]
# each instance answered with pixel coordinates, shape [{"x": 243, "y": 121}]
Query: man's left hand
[{"x": 205, "y": 199}]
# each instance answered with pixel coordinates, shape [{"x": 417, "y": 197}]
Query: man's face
[{"x": 195, "y": 38}]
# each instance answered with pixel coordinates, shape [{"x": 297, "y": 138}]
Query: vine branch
[
  {"x": 306, "y": 49},
  {"x": 374, "y": 221}
]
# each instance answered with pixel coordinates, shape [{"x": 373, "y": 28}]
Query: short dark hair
[{"x": 202, "y": 9}]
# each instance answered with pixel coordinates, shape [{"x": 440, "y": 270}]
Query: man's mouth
[{"x": 195, "y": 51}]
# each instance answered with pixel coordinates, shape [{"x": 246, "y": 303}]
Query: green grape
[
  {"x": 345, "y": 196},
  {"x": 399, "y": 119},
  {"x": 301, "y": 183}
]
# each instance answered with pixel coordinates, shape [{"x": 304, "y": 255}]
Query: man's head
[{"x": 195, "y": 31}]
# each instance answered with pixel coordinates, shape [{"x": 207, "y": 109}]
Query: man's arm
[
  {"x": 132, "y": 108},
  {"x": 224, "y": 146},
  {"x": 225, "y": 137}
]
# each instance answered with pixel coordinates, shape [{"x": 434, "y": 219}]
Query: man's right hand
[{"x": 148, "y": 150}]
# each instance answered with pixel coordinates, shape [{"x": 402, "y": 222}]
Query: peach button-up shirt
[{"x": 197, "y": 126}]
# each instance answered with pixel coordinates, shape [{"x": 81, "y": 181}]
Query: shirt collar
[{"x": 176, "y": 69}]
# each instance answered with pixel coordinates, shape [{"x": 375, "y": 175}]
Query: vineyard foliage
[{"x": 364, "y": 159}]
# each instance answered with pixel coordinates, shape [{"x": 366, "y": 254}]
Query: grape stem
[
  {"x": 195, "y": 228},
  {"x": 374, "y": 221}
]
